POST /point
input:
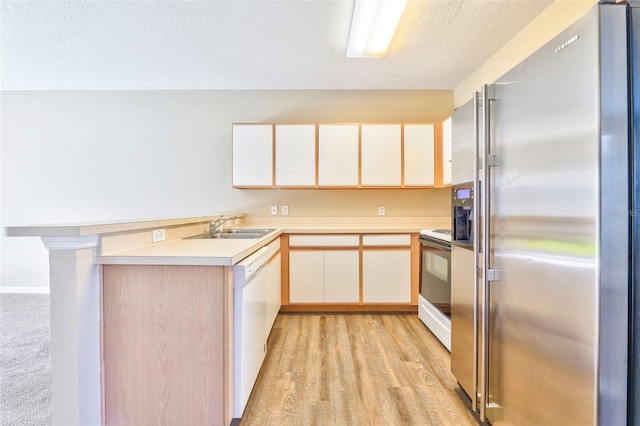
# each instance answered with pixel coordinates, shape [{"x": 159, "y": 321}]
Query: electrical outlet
[
  {"x": 274, "y": 210},
  {"x": 284, "y": 210},
  {"x": 157, "y": 235},
  {"x": 382, "y": 210}
]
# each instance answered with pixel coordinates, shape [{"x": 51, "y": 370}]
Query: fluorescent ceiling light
[{"x": 372, "y": 27}]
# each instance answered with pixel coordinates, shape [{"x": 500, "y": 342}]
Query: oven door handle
[{"x": 444, "y": 246}]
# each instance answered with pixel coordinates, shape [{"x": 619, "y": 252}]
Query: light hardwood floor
[{"x": 355, "y": 369}]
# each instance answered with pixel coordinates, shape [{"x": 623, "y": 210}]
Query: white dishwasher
[{"x": 250, "y": 295}]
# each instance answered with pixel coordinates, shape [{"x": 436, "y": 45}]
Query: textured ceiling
[{"x": 236, "y": 44}]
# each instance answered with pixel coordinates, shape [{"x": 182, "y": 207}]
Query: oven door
[{"x": 435, "y": 273}]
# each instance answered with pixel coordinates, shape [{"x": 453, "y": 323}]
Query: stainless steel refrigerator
[{"x": 553, "y": 267}]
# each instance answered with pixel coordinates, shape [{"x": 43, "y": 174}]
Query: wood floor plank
[
  {"x": 355, "y": 369},
  {"x": 343, "y": 388}
]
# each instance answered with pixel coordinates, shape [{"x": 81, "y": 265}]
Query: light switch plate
[
  {"x": 274, "y": 210},
  {"x": 284, "y": 210},
  {"x": 157, "y": 235},
  {"x": 382, "y": 210}
]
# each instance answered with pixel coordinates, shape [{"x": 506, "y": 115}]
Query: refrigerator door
[
  {"x": 462, "y": 141},
  {"x": 558, "y": 282},
  {"x": 634, "y": 386},
  {"x": 463, "y": 323},
  {"x": 465, "y": 291}
]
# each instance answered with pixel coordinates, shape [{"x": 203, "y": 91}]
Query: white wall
[
  {"x": 552, "y": 21},
  {"x": 71, "y": 156}
]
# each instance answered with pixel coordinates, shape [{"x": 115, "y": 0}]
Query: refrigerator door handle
[
  {"x": 485, "y": 250},
  {"x": 476, "y": 247}
]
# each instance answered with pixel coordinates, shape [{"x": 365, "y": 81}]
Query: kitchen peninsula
[{"x": 79, "y": 256}]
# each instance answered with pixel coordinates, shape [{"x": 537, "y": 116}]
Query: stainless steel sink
[
  {"x": 235, "y": 234},
  {"x": 260, "y": 231}
]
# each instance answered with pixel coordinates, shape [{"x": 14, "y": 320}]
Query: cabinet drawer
[
  {"x": 386, "y": 240},
  {"x": 324, "y": 240}
]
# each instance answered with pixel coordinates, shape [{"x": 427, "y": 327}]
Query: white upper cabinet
[
  {"x": 338, "y": 155},
  {"x": 252, "y": 155},
  {"x": 419, "y": 156},
  {"x": 446, "y": 151},
  {"x": 381, "y": 155},
  {"x": 391, "y": 155},
  {"x": 296, "y": 155}
]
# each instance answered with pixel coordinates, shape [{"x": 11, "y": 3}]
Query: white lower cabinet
[
  {"x": 331, "y": 276},
  {"x": 306, "y": 276},
  {"x": 386, "y": 276},
  {"x": 342, "y": 276}
]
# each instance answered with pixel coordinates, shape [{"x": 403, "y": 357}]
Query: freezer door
[
  {"x": 634, "y": 387},
  {"x": 558, "y": 202},
  {"x": 462, "y": 141},
  {"x": 463, "y": 326}
]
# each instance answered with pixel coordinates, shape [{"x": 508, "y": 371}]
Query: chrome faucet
[{"x": 217, "y": 224}]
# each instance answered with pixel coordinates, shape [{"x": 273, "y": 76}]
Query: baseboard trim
[
  {"x": 349, "y": 307},
  {"x": 25, "y": 290}
]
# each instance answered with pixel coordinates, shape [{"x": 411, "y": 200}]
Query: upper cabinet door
[
  {"x": 296, "y": 155},
  {"x": 446, "y": 152},
  {"x": 381, "y": 155},
  {"x": 338, "y": 155},
  {"x": 252, "y": 155},
  {"x": 419, "y": 154}
]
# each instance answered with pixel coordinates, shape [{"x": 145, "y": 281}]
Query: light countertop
[
  {"x": 216, "y": 252},
  {"x": 97, "y": 228},
  {"x": 227, "y": 252},
  {"x": 207, "y": 252}
]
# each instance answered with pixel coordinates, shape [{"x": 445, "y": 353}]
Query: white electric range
[{"x": 434, "y": 300}]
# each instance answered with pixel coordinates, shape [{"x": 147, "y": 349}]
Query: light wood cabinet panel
[
  {"x": 342, "y": 276},
  {"x": 446, "y": 152},
  {"x": 166, "y": 344},
  {"x": 252, "y": 155},
  {"x": 296, "y": 155},
  {"x": 381, "y": 155},
  {"x": 419, "y": 155},
  {"x": 306, "y": 277},
  {"x": 274, "y": 292},
  {"x": 386, "y": 276},
  {"x": 338, "y": 155}
]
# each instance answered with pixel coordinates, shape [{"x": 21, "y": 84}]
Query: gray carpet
[{"x": 25, "y": 360}]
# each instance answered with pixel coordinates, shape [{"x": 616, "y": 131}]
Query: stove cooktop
[{"x": 440, "y": 234}]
